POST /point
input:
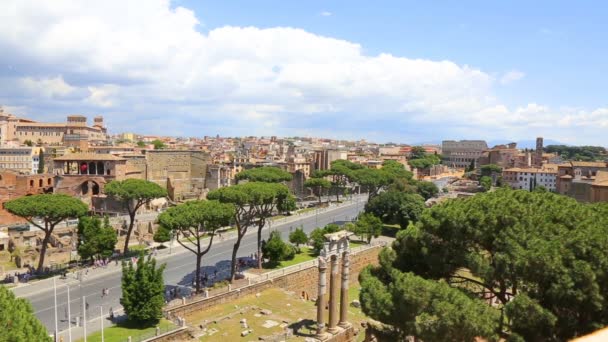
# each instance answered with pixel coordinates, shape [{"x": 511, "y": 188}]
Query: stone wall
[
  {"x": 301, "y": 282},
  {"x": 181, "y": 172}
]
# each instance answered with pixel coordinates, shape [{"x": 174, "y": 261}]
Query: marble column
[
  {"x": 333, "y": 296},
  {"x": 321, "y": 298},
  {"x": 344, "y": 291}
]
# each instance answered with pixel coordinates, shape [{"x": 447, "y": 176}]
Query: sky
[{"x": 399, "y": 71}]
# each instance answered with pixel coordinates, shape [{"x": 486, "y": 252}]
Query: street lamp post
[
  {"x": 55, "y": 297},
  {"x": 69, "y": 317},
  {"x": 171, "y": 241}
]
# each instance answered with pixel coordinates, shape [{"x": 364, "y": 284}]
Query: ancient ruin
[{"x": 336, "y": 248}]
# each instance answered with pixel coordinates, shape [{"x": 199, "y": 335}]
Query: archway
[
  {"x": 95, "y": 188},
  {"x": 84, "y": 188}
]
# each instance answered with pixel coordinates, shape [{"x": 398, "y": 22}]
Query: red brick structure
[{"x": 14, "y": 185}]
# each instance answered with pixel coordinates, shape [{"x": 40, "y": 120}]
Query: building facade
[
  {"x": 462, "y": 153},
  {"x": 74, "y": 132},
  {"x": 530, "y": 178}
]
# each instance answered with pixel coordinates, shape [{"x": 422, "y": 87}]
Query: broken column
[
  {"x": 344, "y": 291},
  {"x": 333, "y": 296},
  {"x": 321, "y": 298}
]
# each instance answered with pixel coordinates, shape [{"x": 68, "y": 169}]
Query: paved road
[{"x": 179, "y": 271}]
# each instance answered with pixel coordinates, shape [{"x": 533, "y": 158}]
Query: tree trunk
[
  {"x": 235, "y": 249},
  {"x": 198, "y": 272},
  {"x": 260, "y": 227},
  {"x": 129, "y": 230},
  {"x": 320, "y": 192},
  {"x": 45, "y": 242}
]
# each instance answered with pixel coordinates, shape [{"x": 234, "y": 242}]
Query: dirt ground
[{"x": 271, "y": 314}]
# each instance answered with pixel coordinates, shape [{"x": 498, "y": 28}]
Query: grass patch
[
  {"x": 120, "y": 332},
  {"x": 356, "y": 243},
  {"x": 390, "y": 230},
  {"x": 306, "y": 254}
]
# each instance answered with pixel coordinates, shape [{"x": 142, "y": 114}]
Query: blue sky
[{"x": 386, "y": 70}]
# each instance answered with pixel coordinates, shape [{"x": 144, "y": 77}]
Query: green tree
[
  {"x": 28, "y": 143},
  {"x": 241, "y": 196},
  {"x": 485, "y": 182},
  {"x": 267, "y": 174},
  {"x": 372, "y": 180},
  {"x": 341, "y": 173},
  {"x": 268, "y": 196},
  {"x": 41, "y": 162},
  {"x": 417, "y": 152},
  {"x": 193, "y": 220},
  {"x": 95, "y": 239},
  {"x": 540, "y": 258},
  {"x": 162, "y": 235},
  {"x": 143, "y": 290},
  {"x": 18, "y": 321},
  {"x": 368, "y": 226},
  {"x": 298, "y": 237},
  {"x": 425, "y": 309},
  {"x": 317, "y": 236},
  {"x": 317, "y": 185},
  {"x": 51, "y": 208},
  {"x": 141, "y": 144},
  {"x": 582, "y": 153},
  {"x": 427, "y": 189},
  {"x": 276, "y": 250},
  {"x": 489, "y": 169},
  {"x": 393, "y": 207},
  {"x": 133, "y": 194},
  {"x": 158, "y": 145}
]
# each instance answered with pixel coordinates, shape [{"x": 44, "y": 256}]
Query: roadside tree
[
  {"x": 18, "y": 321},
  {"x": 51, "y": 208},
  {"x": 367, "y": 227},
  {"x": 298, "y": 237},
  {"x": 143, "y": 290},
  {"x": 96, "y": 239},
  {"x": 133, "y": 194},
  {"x": 318, "y": 186},
  {"x": 191, "y": 221},
  {"x": 393, "y": 207}
]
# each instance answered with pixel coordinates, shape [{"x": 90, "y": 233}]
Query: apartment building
[{"x": 530, "y": 178}]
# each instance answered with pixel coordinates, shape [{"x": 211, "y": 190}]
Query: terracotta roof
[
  {"x": 87, "y": 156},
  {"x": 588, "y": 164}
]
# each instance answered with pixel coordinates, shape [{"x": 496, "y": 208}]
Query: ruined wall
[
  {"x": 184, "y": 170},
  {"x": 306, "y": 280}
]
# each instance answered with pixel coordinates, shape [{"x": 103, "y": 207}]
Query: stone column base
[
  {"x": 345, "y": 325},
  {"x": 334, "y": 331},
  {"x": 324, "y": 336}
]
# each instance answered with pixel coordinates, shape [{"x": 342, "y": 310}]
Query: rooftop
[{"x": 87, "y": 157}]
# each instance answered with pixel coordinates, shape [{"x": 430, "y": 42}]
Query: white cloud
[
  {"x": 325, "y": 14},
  {"x": 146, "y": 59},
  {"x": 512, "y": 76},
  {"x": 47, "y": 87}
]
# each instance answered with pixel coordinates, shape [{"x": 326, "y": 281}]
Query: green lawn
[
  {"x": 305, "y": 255},
  {"x": 121, "y": 332},
  {"x": 390, "y": 230}
]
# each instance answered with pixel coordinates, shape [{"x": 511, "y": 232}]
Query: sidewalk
[{"x": 37, "y": 286}]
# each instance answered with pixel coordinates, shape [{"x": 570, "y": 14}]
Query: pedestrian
[
  {"x": 111, "y": 314},
  {"x": 87, "y": 306},
  {"x": 66, "y": 313}
]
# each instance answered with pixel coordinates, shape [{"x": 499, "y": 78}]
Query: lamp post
[
  {"x": 171, "y": 242},
  {"x": 55, "y": 297},
  {"x": 69, "y": 317}
]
